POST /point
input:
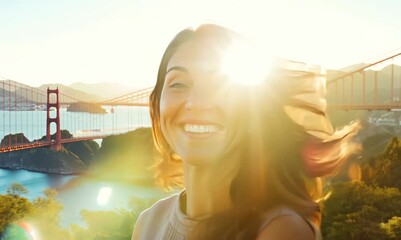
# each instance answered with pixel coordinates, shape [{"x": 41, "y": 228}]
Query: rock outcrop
[
  {"x": 86, "y": 107},
  {"x": 74, "y": 158},
  {"x": 125, "y": 157}
]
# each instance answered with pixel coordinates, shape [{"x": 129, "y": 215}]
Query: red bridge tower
[{"x": 55, "y": 144}]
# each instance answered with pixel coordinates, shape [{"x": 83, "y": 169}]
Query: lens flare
[
  {"x": 246, "y": 64},
  {"x": 20, "y": 230},
  {"x": 104, "y": 195}
]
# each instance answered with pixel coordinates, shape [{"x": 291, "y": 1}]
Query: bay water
[{"x": 76, "y": 192}]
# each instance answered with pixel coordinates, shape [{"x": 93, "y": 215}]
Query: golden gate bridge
[
  {"x": 25, "y": 109},
  {"x": 375, "y": 86}
]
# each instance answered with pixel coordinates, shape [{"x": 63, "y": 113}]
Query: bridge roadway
[
  {"x": 24, "y": 146},
  {"x": 124, "y": 104},
  {"x": 385, "y": 107}
]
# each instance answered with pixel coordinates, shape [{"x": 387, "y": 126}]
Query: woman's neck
[{"x": 208, "y": 189}]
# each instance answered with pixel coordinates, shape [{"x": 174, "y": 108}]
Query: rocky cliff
[
  {"x": 125, "y": 157},
  {"x": 74, "y": 158}
]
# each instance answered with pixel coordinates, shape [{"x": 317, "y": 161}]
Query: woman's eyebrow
[{"x": 178, "y": 68}]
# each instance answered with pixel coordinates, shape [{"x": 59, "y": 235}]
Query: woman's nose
[{"x": 200, "y": 98}]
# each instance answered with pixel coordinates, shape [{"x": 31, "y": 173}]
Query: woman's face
[{"x": 198, "y": 109}]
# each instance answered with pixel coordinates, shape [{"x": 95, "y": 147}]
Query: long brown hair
[
  {"x": 168, "y": 168},
  {"x": 274, "y": 169}
]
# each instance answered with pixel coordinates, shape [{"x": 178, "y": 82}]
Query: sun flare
[
  {"x": 103, "y": 196},
  {"x": 246, "y": 64}
]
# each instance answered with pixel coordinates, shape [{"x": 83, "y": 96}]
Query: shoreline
[
  {"x": 142, "y": 181},
  {"x": 45, "y": 172}
]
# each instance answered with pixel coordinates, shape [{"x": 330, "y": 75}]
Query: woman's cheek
[{"x": 169, "y": 111}]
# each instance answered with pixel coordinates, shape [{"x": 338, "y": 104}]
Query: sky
[{"x": 122, "y": 41}]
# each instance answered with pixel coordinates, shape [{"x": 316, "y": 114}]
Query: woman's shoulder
[
  {"x": 162, "y": 206},
  {"x": 154, "y": 217},
  {"x": 286, "y": 224}
]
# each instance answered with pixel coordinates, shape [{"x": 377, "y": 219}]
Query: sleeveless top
[{"x": 165, "y": 220}]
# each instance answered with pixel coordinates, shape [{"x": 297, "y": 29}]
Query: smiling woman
[
  {"x": 248, "y": 156},
  {"x": 194, "y": 111}
]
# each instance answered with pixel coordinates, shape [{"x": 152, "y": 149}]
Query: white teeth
[{"x": 194, "y": 128}]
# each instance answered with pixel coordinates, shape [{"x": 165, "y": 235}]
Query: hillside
[
  {"x": 331, "y": 74},
  {"x": 78, "y": 94},
  {"x": 74, "y": 158},
  {"x": 353, "y": 67},
  {"x": 105, "y": 89}
]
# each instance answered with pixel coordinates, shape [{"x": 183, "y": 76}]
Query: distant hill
[
  {"x": 353, "y": 67},
  {"x": 375, "y": 138},
  {"x": 72, "y": 92},
  {"x": 81, "y": 91},
  {"x": 105, "y": 89},
  {"x": 331, "y": 74}
]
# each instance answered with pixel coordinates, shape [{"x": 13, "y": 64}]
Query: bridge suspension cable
[
  {"x": 23, "y": 116},
  {"x": 371, "y": 87}
]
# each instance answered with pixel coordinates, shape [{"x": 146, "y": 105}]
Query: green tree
[
  {"x": 13, "y": 208},
  {"x": 46, "y": 217},
  {"x": 110, "y": 225},
  {"x": 386, "y": 168},
  {"x": 16, "y": 190},
  {"x": 355, "y": 211},
  {"x": 106, "y": 224},
  {"x": 392, "y": 227}
]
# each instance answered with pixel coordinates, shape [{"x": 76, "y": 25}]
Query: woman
[{"x": 248, "y": 157}]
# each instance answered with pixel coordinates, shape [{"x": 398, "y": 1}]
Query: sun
[{"x": 246, "y": 64}]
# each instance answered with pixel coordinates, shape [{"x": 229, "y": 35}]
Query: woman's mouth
[{"x": 201, "y": 128}]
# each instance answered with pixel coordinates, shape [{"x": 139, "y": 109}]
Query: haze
[{"x": 122, "y": 41}]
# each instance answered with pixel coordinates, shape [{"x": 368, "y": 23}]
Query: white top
[{"x": 165, "y": 220}]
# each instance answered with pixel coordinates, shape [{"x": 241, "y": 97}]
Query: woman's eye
[{"x": 178, "y": 85}]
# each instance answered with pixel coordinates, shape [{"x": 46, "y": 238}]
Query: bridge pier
[{"x": 54, "y": 144}]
